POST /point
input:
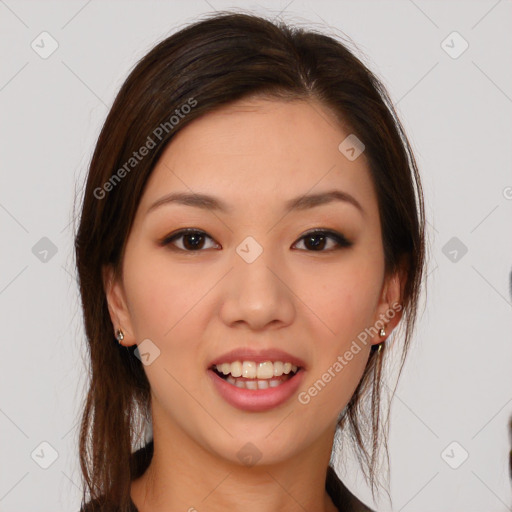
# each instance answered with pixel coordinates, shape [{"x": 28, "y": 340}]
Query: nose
[{"x": 257, "y": 294}]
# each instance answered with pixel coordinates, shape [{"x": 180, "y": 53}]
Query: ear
[
  {"x": 117, "y": 305},
  {"x": 389, "y": 310}
]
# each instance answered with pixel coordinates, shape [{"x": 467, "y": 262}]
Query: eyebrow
[{"x": 207, "y": 202}]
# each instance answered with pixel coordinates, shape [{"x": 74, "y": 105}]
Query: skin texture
[{"x": 194, "y": 306}]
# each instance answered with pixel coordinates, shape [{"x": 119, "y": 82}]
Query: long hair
[{"x": 201, "y": 68}]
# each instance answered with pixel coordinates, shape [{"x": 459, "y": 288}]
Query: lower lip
[{"x": 256, "y": 400}]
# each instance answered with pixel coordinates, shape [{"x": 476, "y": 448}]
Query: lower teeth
[{"x": 254, "y": 384}]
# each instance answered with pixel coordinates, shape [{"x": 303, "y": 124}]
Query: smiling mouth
[{"x": 251, "y": 375}]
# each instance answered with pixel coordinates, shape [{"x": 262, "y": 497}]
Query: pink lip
[
  {"x": 258, "y": 356},
  {"x": 257, "y": 400}
]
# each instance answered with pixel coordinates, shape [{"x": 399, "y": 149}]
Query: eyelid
[
  {"x": 168, "y": 239},
  {"x": 341, "y": 240}
]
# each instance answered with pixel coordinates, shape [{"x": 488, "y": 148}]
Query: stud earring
[
  {"x": 119, "y": 335},
  {"x": 382, "y": 333}
]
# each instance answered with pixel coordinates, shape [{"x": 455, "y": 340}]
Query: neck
[{"x": 184, "y": 476}]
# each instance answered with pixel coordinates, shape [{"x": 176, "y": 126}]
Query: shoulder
[
  {"x": 138, "y": 464},
  {"x": 93, "y": 506},
  {"x": 98, "y": 505},
  {"x": 341, "y": 496}
]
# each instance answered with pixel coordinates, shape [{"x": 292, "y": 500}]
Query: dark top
[{"x": 344, "y": 500}]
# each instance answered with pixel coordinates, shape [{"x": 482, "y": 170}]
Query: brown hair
[{"x": 207, "y": 65}]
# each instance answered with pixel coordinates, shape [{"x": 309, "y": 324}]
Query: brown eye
[
  {"x": 192, "y": 240},
  {"x": 316, "y": 241}
]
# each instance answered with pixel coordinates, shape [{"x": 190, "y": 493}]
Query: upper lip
[{"x": 258, "y": 356}]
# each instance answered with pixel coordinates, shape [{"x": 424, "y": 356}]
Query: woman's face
[{"x": 251, "y": 280}]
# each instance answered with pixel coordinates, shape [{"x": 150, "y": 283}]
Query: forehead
[{"x": 260, "y": 149}]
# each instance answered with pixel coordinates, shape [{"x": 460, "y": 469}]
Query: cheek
[
  {"x": 343, "y": 297},
  {"x": 165, "y": 303},
  {"x": 339, "y": 365},
  {"x": 163, "y": 298}
]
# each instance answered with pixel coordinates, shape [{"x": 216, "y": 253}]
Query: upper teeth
[{"x": 252, "y": 370}]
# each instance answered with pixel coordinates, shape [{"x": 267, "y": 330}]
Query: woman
[{"x": 252, "y": 232}]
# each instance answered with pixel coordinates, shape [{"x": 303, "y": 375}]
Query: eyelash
[{"x": 339, "y": 238}]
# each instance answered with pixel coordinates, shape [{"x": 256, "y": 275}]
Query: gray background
[{"x": 457, "y": 384}]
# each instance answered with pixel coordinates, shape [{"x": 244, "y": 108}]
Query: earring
[
  {"x": 382, "y": 333},
  {"x": 119, "y": 336}
]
